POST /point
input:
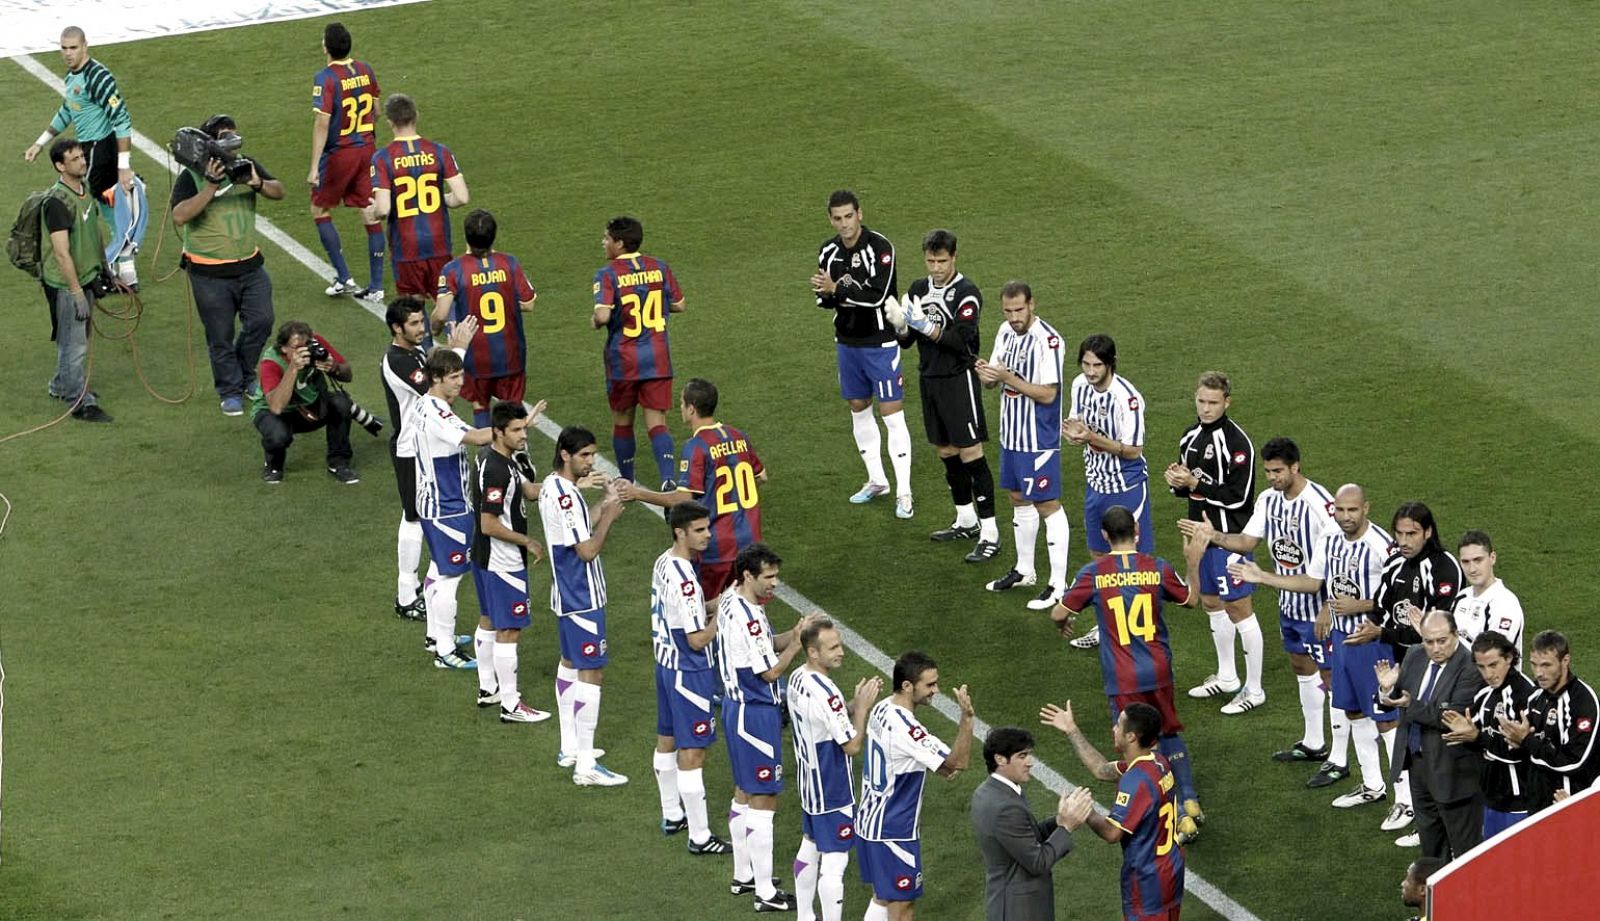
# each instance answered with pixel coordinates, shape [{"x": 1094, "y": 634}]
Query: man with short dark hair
[
  {"x": 492, "y": 287},
  {"x": 344, "y": 99},
  {"x": 299, "y": 393},
  {"x": 415, "y": 183},
  {"x": 1019, "y": 851},
  {"x": 1559, "y": 729},
  {"x": 98, "y": 116},
  {"x": 1504, "y": 768},
  {"x": 1414, "y": 887},
  {"x": 1485, "y": 604},
  {"x": 72, "y": 261}
]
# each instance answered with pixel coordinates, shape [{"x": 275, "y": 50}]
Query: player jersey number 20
[
  {"x": 1138, "y": 622},
  {"x": 736, "y": 488},
  {"x": 640, "y": 314},
  {"x": 414, "y": 195},
  {"x": 357, "y": 114}
]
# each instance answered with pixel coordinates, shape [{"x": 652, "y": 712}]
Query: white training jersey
[
  {"x": 745, "y": 651},
  {"x": 1292, "y": 529},
  {"x": 577, "y": 586},
  {"x": 821, "y": 726},
  {"x": 900, "y": 753},
  {"x": 436, "y": 434},
  {"x": 677, "y": 609},
  {"x": 1118, "y": 414},
  {"x": 1350, "y": 569},
  {"x": 1035, "y": 356},
  {"x": 1496, "y": 609}
]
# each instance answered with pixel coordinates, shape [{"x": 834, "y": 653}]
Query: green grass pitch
[{"x": 1377, "y": 218}]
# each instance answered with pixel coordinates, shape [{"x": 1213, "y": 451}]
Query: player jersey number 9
[
  {"x": 414, "y": 195},
  {"x": 1139, "y": 622},
  {"x": 492, "y": 310},
  {"x": 1169, "y": 828},
  {"x": 640, "y": 315},
  {"x": 736, "y": 488},
  {"x": 357, "y": 114}
]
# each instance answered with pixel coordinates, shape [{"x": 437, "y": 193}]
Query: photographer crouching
[
  {"x": 214, "y": 207},
  {"x": 299, "y": 392}
]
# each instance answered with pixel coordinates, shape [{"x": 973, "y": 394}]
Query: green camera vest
[
  {"x": 226, "y": 230},
  {"x": 83, "y": 239}
]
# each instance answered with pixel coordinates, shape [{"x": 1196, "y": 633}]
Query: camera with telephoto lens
[
  {"x": 195, "y": 148},
  {"x": 360, "y": 416},
  {"x": 319, "y": 352}
]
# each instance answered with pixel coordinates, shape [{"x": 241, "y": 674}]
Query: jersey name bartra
[
  {"x": 1035, "y": 356},
  {"x": 745, "y": 651},
  {"x": 640, "y": 291},
  {"x": 865, "y": 275},
  {"x": 720, "y": 467},
  {"x": 1350, "y": 569},
  {"x": 497, "y": 491},
  {"x": 1292, "y": 529},
  {"x": 414, "y": 171},
  {"x": 436, "y": 434},
  {"x": 899, "y": 753},
  {"x": 578, "y": 586},
  {"x": 959, "y": 306},
  {"x": 1118, "y": 414},
  {"x": 677, "y": 609},
  {"x": 821, "y": 727},
  {"x": 1223, "y": 459},
  {"x": 491, "y": 288}
]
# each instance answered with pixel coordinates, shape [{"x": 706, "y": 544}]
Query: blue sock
[
  {"x": 480, "y": 418},
  {"x": 1177, "y": 755},
  {"x": 623, "y": 447},
  {"x": 375, "y": 243},
  {"x": 329, "y": 235},
  {"x": 661, "y": 446}
]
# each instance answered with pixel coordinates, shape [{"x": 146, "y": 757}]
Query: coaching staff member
[
  {"x": 1018, "y": 851},
  {"x": 216, "y": 219},
  {"x": 297, "y": 395},
  {"x": 1436, "y": 676}
]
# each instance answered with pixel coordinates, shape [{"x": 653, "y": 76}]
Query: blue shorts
[
  {"x": 1135, "y": 500},
  {"x": 755, "y": 746},
  {"x": 683, "y": 706},
  {"x": 1495, "y": 821},
  {"x": 583, "y": 639},
  {"x": 1214, "y": 578},
  {"x": 1035, "y": 474},
  {"x": 503, "y": 598},
  {"x": 1300, "y": 638},
  {"x": 870, "y": 372},
  {"x": 1355, "y": 684},
  {"x": 832, "y": 832},
  {"x": 449, "y": 543},
  {"x": 892, "y": 868}
]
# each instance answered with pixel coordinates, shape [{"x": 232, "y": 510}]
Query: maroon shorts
[
  {"x": 1160, "y": 698},
  {"x": 345, "y": 176},
  {"x": 478, "y": 390},
  {"x": 420, "y": 278},
  {"x": 1170, "y": 914},
  {"x": 715, "y": 578},
  {"x": 655, "y": 393}
]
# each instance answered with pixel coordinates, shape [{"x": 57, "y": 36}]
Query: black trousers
[
  {"x": 1448, "y": 830},
  {"x": 331, "y": 411}
]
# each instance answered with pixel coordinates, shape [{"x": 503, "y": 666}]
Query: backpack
[{"x": 25, "y": 245}]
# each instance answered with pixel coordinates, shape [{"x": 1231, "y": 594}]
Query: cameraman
[
  {"x": 215, "y": 211},
  {"x": 300, "y": 392}
]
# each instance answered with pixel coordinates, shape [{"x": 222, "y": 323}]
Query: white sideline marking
[{"x": 860, "y": 645}]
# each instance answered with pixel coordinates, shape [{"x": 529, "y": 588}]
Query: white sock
[
  {"x": 408, "y": 553},
  {"x": 1402, "y": 785},
  {"x": 1249, "y": 631},
  {"x": 566, "y": 678},
  {"x": 441, "y": 594},
  {"x": 899, "y": 451},
  {"x": 876, "y": 912},
  {"x": 758, "y": 824},
  {"x": 585, "y": 716},
  {"x": 869, "y": 441},
  {"x": 967, "y": 515},
  {"x": 505, "y": 675},
  {"x": 1365, "y": 734},
  {"x": 1339, "y": 751},
  {"x": 1025, "y": 529},
  {"x": 1057, "y": 536},
  {"x": 737, "y": 834},
  {"x": 483, "y": 647},
  {"x": 666, "y": 766},
  {"x": 1311, "y": 708},
  {"x": 805, "y": 880},
  {"x": 988, "y": 530},
  {"x": 1402, "y": 789},
  {"x": 692, "y": 791},
  {"x": 1222, "y": 637},
  {"x": 830, "y": 885}
]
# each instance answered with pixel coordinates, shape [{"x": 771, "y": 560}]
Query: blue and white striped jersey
[
  {"x": 745, "y": 651},
  {"x": 578, "y": 586},
  {"x": 1292, "y": 529},
  {"x": 1350, "y": 568},
  {"x": 900, "y": 752},
  {"x": 436, "y": 434},
  {"x": 821, "y": 727},
  {"x": 677, "y": 609},
  {"x": 1118, "y": 414},
  {"x": 1035, "y": 356}
]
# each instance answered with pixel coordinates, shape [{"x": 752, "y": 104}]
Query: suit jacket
[
  {"x": 1018, "y": 852},
  {"x": 1451, "y": 771}
]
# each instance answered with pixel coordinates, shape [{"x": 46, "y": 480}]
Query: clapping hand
[
  {"x": 964, "y": 701},
  {"x": 867, "y": 691},
  {"x": 1074, "y": 808},
  {"x": 1516, "y": 730},
  {"x": 1461, "y": 727},
  {"x": 461, "y": 334},
  {"x": 594, "y": 479}
]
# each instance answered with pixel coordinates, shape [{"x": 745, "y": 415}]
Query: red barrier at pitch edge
[{"x": 1546, "y": 864}]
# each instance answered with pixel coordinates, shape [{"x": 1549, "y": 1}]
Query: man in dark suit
[
  {"x": 1019, "y": 851},
  {"x": 1436, "y": 676}
]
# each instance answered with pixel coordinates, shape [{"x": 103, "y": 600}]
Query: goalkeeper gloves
[
  {"x": 916, "y": 318},
  {"x": 895, "y": 312}
]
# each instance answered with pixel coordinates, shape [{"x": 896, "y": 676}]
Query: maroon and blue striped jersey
[
  {"x": 1127, "y": 589},
  {"x": 640, "y": 291},
  {"x": 491, "y": 288},
  {"x": 413, "y": 171},
  {"x": 347, "y": 92},
  {"x": 720, "y": 467},
  {"x": 1146, "y": 809}
]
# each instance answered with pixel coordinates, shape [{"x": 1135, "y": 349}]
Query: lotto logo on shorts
[
  {"x": 904, "y": 883},
  {"x": 701, "y": 727},
  {"x": 591, "y": 650},
  {"x": 1044, "y": 482},
  {"x": 456, "y": 556},
  {"x": 520, "y": 608},
  {"x": 846, "y": 832},
  {"x": 764, "y": 773}
]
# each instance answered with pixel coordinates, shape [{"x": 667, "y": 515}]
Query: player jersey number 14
[
  {"x": 1139, "y": 622},
  {"x": 641, "y": 315},
  {"x": 736, "y": 487}
]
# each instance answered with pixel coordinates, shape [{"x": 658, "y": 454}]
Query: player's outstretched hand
[
  {"x": 1073, "y": 808},
  {"x": 594, "y": 479},
  {"x": 1245, "y": 571},
  {"x": 1059, "y": 717},
  {"x": 964, "y": 701},
  {"x": 627, "y": 490},
  {"x": 1062, "y": 619},
  {"x": 461, "y": 333},
  {"x": 537, "y": 411},
  {"x": 535, "y": 550},
  {"x": 1364, "y": 634}
]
